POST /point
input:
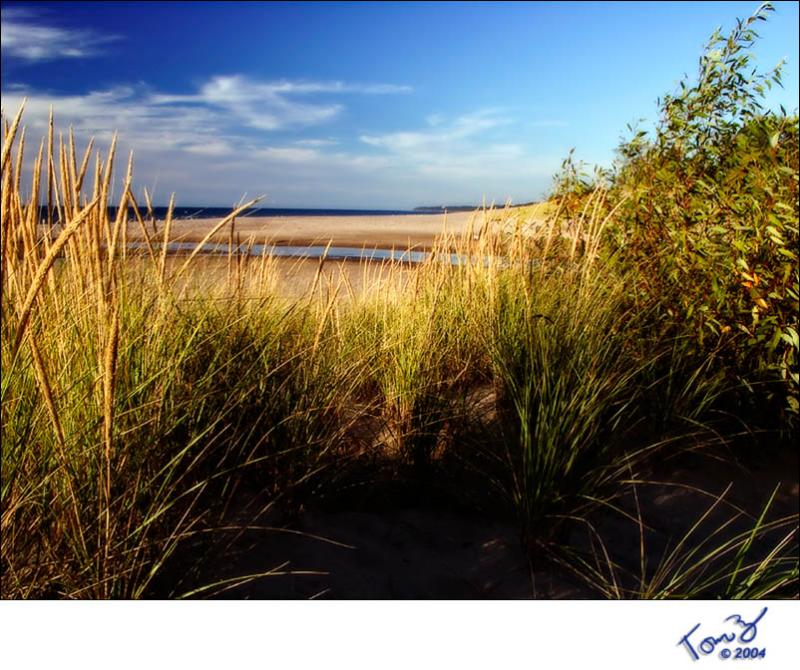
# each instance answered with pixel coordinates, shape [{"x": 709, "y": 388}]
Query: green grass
[
  {"x": 723, "y": 553},
  {"x": 140, "y": 404}
]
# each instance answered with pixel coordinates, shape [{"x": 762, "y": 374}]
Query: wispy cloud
[
  {"x": 127, "y": 109},
  {"x": 228, "y": 137},
  {"x": 271, "y": 105},
  {"x": 26, "y": 35},
  {"x": 234, "y": 135},
  {"x": 328, "y": 142},
  {"x": 459, "y": 129},
  {"x": 261, "y": 105},
  {"x": 460, "y": 148},
  {"x": 206, "y": 121}
]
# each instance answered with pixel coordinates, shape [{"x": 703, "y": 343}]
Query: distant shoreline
[{"x": 441, "y": 209}]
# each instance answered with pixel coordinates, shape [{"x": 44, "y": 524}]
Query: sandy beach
[{"x": 393, "y": 231}]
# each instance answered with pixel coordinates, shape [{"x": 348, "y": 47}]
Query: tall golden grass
[{"x": 141, "y": 401}]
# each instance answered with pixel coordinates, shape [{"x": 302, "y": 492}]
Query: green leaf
[{"x": 791, "y": 337}]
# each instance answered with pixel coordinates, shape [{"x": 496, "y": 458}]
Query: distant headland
[{"x": 436, "y": 209}]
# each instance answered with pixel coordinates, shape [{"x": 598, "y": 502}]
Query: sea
[{"x": 198, "y": 212}]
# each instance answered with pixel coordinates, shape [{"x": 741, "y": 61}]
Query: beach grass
[
  {"x": 145, "y": 403},
  {"x": 138, "y": 404}
]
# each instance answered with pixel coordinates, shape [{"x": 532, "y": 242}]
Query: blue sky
[{"x": 362, "y": 105}]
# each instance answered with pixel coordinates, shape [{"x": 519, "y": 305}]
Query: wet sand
[
  {"x": 287, "y": 277},
  {"x": 417, "y": 231}
]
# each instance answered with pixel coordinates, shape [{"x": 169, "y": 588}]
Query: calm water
[{"x": 289, "y": 251}]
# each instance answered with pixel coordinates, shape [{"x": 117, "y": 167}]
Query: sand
[
  {"x": 366, "y": 550},
  {"x": 385, "y": 232},
  {"x": 293, "y": 277}
]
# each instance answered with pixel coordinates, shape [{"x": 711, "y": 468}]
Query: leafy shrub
[{"x": 707, "y": 210}]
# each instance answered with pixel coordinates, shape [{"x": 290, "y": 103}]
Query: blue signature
[{"x": 745, "y": 633}]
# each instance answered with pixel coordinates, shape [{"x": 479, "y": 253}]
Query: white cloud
[
  {"x": 339, "y": 87},
  {"x": 330, "y": 159},
  {"x": 459, "y": 149},
  {"x": 236, "y": 135},
  {"x": 329, "y": 142},
  {"x": 25, "y": 35},
  {"x": 271, "y": 105},
  {"x": 460, "y": 160},
  {"x": 195, "y": 145},
  {"x": 126, "y": 109},
  {"x": 208, "y": 121},
  {"x": 435, "y": 119},
  {"x": 461, "y": 128},
  {"x": 212, "y": 148},
  {"x": 261, "y": 105}
]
